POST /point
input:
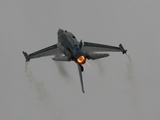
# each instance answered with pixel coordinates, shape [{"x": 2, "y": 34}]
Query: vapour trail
[
  {"x": 37, "y": 86},
  {"x": 100, "y": 66},
  {"x": 49, "y": 107},
  {"x": 62, "y": 69},
  {"x": 130, "y": 71},
  {"x": 132, "y": 91}
]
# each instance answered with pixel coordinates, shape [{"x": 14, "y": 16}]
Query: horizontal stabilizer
[
  {"x": 94, "y": 56},
  {"x": 26, "y": 56},
  {"x": 61, "y": 58}
]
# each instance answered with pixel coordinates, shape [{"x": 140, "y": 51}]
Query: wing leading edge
[{"x": 48, "y": 51}]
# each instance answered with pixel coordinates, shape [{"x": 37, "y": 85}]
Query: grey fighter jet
[{"x": 69, "y": 49}]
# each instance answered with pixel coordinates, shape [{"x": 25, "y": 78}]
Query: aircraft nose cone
[{"x": 60, "y": 31}]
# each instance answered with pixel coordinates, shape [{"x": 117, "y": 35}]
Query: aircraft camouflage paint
[{"x": 69, "y": 49}]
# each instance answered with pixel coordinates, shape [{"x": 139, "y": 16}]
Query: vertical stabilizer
[{"x": 80, "y": 69}]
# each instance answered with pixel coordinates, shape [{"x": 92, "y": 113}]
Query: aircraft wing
[
  {"x": 48, "y": 51},
  {"x": 94, "y": 47}
]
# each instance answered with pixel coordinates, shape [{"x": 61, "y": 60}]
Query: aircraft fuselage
[{"x": 69, "y": 45}]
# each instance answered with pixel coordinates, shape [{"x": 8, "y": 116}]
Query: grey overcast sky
[{"x": 119, "y": 87}]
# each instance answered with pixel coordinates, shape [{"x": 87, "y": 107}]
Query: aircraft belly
[{"x": 64, "y": 51}]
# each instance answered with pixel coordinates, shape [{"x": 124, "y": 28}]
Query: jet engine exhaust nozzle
[{"x": 81, "y": 60}]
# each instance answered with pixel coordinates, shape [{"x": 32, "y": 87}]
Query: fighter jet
[{"x": 69, "y": 49}]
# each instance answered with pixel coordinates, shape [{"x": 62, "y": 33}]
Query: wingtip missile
[
  {"x": 26, "y": 56},
  {"x": 122, "y": 49}
]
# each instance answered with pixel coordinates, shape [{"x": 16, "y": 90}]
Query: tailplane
[
  {"x": 61, "y": 58},
  {"x": 95, "y": 56}
]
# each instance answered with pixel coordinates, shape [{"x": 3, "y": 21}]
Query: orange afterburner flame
[{"x": 81, "y": 59}]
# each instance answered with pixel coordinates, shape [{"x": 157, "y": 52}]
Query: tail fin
[
  {"x": 80, "y": 70},
  {"x": 26, "y": 56}
]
